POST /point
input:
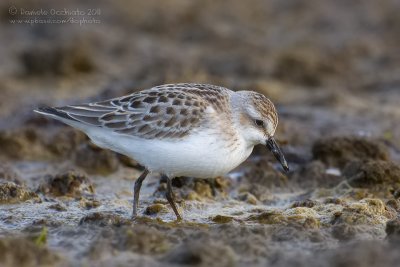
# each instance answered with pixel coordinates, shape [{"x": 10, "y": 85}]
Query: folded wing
[{"x": 154, "y": 113}]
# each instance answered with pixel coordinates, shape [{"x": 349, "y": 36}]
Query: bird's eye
[{"x": 259, "y": 123}]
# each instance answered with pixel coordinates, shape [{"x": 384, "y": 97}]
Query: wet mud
[{"x": 332, "y": 70}]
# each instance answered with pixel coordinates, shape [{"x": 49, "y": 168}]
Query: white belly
[{"x": 200, "y": 155}]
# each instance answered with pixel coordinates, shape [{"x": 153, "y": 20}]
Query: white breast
[{"x": 201, "y": 155}]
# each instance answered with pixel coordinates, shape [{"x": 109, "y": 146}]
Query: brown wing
[{"x": 167, "y": 111}]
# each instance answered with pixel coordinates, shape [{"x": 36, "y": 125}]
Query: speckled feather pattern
[{"x": 167, "y": 111}]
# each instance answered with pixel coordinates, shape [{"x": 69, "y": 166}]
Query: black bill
[{"x": 273, "y": 146}]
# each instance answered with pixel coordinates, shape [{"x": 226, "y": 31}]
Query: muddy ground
[{"x": 331, "y": 67}]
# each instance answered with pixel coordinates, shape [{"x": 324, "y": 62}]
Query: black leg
[
  {"x": 170, "y": 197},
  {"x": 136, "y": 191}
]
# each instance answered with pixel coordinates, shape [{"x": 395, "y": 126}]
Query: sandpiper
[{"x": 185, "y": 129}]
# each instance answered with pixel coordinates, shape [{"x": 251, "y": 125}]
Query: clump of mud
[
  {"x": 259, "y": 179},
  {"x": 95, "y": 160},
  {"x": 64, "y": 142},
  {"x": 71, "y": 184},
  {"x": 156, "y": 208},
  {"x": 24, "y": 252},
  {"x": 377, "y": 175},
  {"x": 196, "y": 253},
  {"x": 365, "y": 212},
  {"x": 104, "y": 219},
  {"x": 186, "y": 188},
  {"x": 140, "y": 239},
  {"x": 21, "y": 144},
  {"x": 11, "y": 193},
  {"x": 338, "y": 151},
  {"x": 32, "y": 144}
]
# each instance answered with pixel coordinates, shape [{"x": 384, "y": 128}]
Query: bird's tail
[{"x": 54, "y": 112}]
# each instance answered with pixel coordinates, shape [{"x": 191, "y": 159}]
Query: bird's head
[{"x": 257, "y": 120}]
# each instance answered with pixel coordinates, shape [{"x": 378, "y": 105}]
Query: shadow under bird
[{"x": 186, "y": 129}]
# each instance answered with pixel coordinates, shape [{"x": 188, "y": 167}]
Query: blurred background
[
  {"x": 338, "y": 55},
  {"x": 331, "y": 67}
]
